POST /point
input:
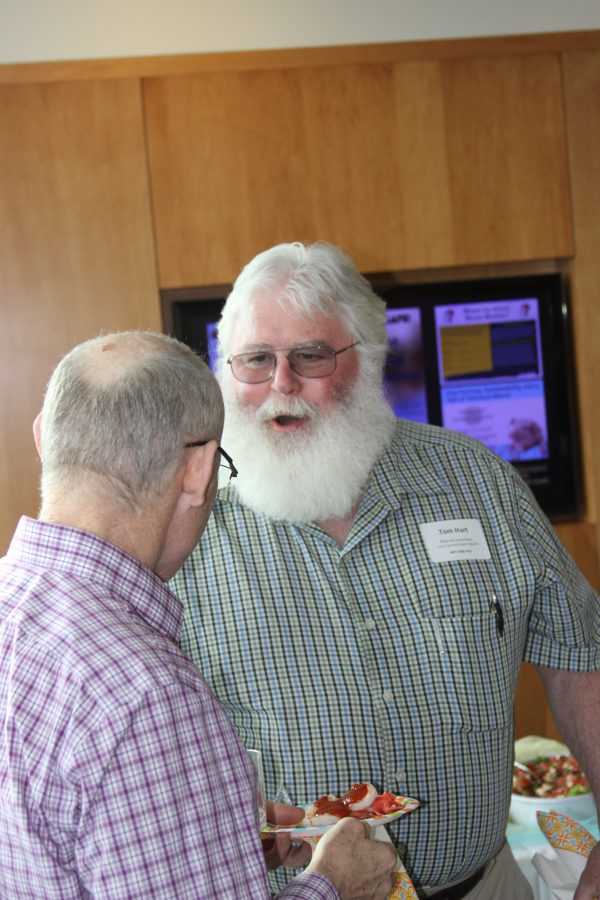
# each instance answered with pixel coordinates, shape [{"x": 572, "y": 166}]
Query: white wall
[{"x": 36, "y": 30}]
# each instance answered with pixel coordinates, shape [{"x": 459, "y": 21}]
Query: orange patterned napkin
[
  {"x": 565, "y": 833},
  {"x": 403, "y": 887}
]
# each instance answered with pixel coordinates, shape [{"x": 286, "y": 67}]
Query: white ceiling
[{"x": 36, "y": 31}]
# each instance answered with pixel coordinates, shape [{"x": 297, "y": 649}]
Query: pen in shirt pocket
[{"x": 496, "y": 610}]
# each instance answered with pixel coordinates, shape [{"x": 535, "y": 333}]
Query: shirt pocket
[{"x": 472, "y": 667}]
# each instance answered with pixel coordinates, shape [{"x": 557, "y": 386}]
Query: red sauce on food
[
  {"x": 356, "y": 793},
  {"x": 335, "y": 807}
]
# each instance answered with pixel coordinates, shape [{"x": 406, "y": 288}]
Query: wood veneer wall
[
  {"x": 423, "y": 165},
  {"x": 76, "y": 248}
]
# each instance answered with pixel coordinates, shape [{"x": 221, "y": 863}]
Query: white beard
[{"x": 317, "y": 472}]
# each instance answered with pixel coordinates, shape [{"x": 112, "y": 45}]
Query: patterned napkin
[
  {"x": 572, "y": 844},
  {"x": 403, "y": 887}
]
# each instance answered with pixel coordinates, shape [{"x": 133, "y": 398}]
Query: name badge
[{"x": 454, "y": 539}]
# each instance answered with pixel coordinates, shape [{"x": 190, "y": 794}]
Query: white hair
[
  {"x": 120, "y": 408},
  {"x": 313, "y": 278}
]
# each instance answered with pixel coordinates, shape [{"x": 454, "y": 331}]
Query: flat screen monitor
[{"x": 489, "y": 358}]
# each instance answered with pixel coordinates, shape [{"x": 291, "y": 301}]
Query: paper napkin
[
  {"x": 403, "y": 887},
  {"x": 572, "y": 844}
]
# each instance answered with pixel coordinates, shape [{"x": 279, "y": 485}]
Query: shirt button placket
[{"x": 368, "y": 639}]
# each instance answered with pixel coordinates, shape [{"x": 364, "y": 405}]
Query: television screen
[
  {"x": 492, "y": 375},
  {"x": 489, "y": 358}
]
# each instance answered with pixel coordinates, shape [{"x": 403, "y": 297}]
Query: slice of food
[
  {"x": 386, "y": 803},
  {"x": 360, "y": 796},
  {"x": 362, "y": 801}
]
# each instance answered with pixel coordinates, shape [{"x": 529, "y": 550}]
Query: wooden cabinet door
[
  {"x": 76, "y": 248},
  {"x": 405, "y": 165}
]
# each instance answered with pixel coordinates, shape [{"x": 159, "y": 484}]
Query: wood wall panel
[
  {"x": 507, "y": 146},
  {"x": 532, "y": 714},
  {"x": 582, "y": 102},
  {"x": 406, "y": 166},
  {"x": 580, "y": 539},
  {"x": 76, "y": 248}
]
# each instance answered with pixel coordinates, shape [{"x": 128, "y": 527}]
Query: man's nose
[{"x": 285, "y": 380}]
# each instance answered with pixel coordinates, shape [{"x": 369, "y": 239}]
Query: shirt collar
[
  {"x": 91, "y": 558},
  {"x": 406, "y": 467}
]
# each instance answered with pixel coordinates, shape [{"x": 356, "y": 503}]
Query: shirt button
[
  {"x": 400, "y": 775},
  {"x": 370, "y": 624},
  {"x": 388, "y": 696}
]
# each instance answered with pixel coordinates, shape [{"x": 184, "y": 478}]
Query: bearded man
[{"x": 346, "y": 638}]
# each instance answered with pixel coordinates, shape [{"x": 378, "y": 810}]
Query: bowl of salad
[{"x": 554, "y": 782}]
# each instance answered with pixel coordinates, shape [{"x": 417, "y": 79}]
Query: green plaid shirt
[{"x": 374, "y": 663}]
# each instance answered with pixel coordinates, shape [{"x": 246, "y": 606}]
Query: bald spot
[{"x": 108, "y": 360}]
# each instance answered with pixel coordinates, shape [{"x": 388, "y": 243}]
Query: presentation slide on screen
[
  {"x": 404, "y": 373},
  {"x": 491, "y": 375}
]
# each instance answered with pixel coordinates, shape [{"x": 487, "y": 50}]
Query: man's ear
[
  {"x": 37, "y": 433},
  {"x": 199, "y": 472}
]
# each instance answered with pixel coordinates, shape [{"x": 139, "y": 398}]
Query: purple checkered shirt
[{"x": 120, "y": 776}]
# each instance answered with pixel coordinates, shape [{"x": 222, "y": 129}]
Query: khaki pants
[{"x": 502, "y": 880}]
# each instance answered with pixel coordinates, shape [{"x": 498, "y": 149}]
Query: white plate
[{"x": 307, "y": 831}]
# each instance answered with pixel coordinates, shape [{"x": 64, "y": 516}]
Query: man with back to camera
[
  {"x": 384, "y": 657},
  {"x": 120, "y": 775}
]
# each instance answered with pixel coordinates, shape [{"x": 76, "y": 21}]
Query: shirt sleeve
[
  {"x": 173, "y": 813},
  {"x": 564, "y": 627}
]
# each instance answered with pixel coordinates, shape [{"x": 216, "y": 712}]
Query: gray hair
[
  {"x": 313, "y": 278},
  {"x": 121, "y": 407}
]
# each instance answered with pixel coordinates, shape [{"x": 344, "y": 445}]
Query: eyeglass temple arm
[{"x": 224, "y": 454}]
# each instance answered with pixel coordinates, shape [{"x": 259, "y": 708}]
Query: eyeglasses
[
  {"x": 233, "y": 472},
  {"x": 308, "y": 362}
]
